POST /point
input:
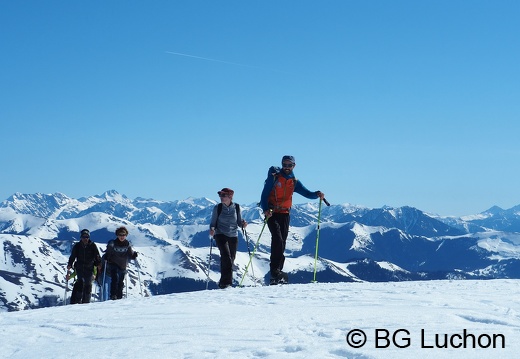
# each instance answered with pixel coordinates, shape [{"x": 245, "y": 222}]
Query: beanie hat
[
  {"x": 289, "y": 159},
  {"x": 227, "y": 191},
  {"x": 85, "y": 232}
]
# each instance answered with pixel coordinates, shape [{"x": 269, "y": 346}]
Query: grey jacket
[{"x": 228, "y": 221}]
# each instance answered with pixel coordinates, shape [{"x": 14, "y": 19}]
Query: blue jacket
[{"x": 269, "y": 184}]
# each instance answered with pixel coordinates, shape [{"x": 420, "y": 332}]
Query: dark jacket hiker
[
  {"x": 83, "y": 258},
  {"x": 118, "y": 252}
]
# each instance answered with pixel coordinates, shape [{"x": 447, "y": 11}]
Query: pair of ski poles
[
  {"x": 244, "y": 232},
  {"x": 251, "y": 255},
  {"x": 317, "y": 242},
  {"x": 248, "y": 250},
  {"x": 103, "y": 282},
  {"x": 139, "y": 279}
]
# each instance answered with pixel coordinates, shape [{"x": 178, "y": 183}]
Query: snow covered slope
[{"x": 419, "y": 319}]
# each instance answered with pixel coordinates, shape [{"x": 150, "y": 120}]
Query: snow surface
[{"x": 290, "y": 321}]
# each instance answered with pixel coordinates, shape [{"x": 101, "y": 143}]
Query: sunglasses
[
  {"x": 122, "y": 235},
  {"x": 287, "y": 165},
  {"x": 223, "y": 195},
  {"x": 85, "y": 237}
]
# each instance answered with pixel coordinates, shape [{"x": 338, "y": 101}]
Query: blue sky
[{"x": 381, "y": 102}]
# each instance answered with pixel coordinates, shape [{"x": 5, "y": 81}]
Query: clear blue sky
[{"x": 381, "y": 102}]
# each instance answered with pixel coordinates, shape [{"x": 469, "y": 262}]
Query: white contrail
[{"x": 208, "y": 59}]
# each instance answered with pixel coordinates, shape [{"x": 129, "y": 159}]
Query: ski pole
[
  {"x": 139, "y": 275},
  {"x": 99, "y": 281},
  {"x": 254, "y": 251},
  {"x": 209, "y": 259},
  {"x": 318, "y": 236},
  {"x": 106, "y": 293},
  {"x": 66, "y": 287},
  {"x": 244, "y": 232}
]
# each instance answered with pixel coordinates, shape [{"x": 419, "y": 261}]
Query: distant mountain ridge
[{"x": 356, "y": 244}]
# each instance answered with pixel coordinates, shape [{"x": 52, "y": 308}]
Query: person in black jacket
[
  {"x": 118, "y": 252},
  {"x": 84, "y": 257}
]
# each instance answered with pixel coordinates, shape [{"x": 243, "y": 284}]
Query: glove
[{"x": 134, "y": 256}]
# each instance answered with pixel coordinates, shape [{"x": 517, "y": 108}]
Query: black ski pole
[{"x": 209, "y": 259}]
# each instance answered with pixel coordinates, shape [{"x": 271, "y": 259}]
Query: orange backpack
[{"x": 281, "y": 194}]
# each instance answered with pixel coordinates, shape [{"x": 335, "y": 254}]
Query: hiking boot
[
  {"x": 280, "y": 278},
  {"x": 223, "y": 286}
]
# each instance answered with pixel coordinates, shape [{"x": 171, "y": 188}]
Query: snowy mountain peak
[
  {"x": 38, "y": 204},
  {"x": 113, "y": 196},
  {"x": 493, "y": 210},
  {"x": 355, "y": 244}
]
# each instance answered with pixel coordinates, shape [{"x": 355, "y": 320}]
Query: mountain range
[{"x": 356, "y": 243}]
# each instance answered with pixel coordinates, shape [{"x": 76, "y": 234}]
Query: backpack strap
[
  {"x": 219, "y": 211},
  {"x": 275, "y": 172}
]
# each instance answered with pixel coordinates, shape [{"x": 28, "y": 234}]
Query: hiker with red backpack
[
  {"x": 276, "y": 202},
  {"x": 224, "y": 224}
]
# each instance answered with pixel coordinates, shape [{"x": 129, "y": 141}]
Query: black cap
[{"x": 289, "y": 159}]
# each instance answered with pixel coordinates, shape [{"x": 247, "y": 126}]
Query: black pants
[
  {"x": 82, "y": 288},
  {"x": 279, "y": 227},
  {"x": 228, "y": 250},
  {"x": 118, "y": 281}
]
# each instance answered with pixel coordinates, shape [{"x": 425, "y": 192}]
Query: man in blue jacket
[{"x": 276, "y": 202}]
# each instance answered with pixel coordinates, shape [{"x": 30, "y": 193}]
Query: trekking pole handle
[
  {"x": 326, "y": 202},
  {"x": 270, "y": 211}
]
